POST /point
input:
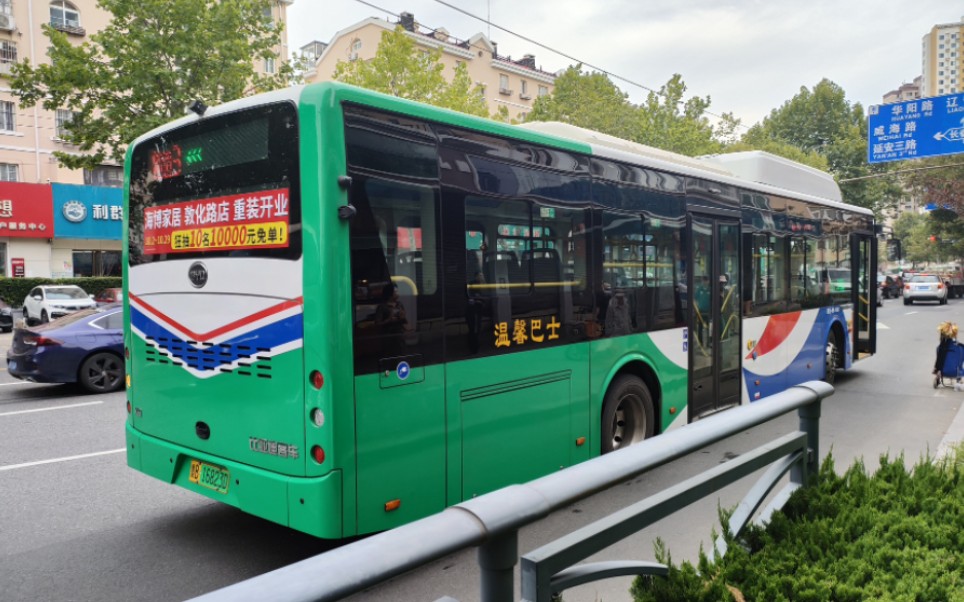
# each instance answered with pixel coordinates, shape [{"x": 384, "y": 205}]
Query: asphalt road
[{"x": 77, "y": 524}]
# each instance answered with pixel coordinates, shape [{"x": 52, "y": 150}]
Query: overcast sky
[{"x": 749, "y": 56}]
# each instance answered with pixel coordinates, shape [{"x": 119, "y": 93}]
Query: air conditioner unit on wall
[{"x": 7, "y": 22}]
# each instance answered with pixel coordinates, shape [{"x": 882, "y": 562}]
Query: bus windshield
[{"x": 224, "y": 186}]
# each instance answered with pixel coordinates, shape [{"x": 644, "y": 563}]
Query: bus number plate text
[{"x": 210, "y": 476}]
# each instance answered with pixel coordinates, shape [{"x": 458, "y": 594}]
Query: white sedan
[{"x": 925, "y": 287}]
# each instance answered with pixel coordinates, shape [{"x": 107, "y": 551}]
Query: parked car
[
  {"x": 109, "y": 296},
  {"x": 6, "y": 317},
  {"x": 925, "y": 287},
  {"x": 51, "y": 301},
  {"x": 86, "y": 347}
]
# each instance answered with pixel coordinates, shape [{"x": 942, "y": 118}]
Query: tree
[
  {"x": 587, "y": 100},
  {"x": 401, "y": 69},
  {"x": 822, "y": 121},
  {"x": 668, "y": 122},
  {"x": 153, "y": 59},
  {"x": 664, "y": 121},
  {"x": 940, "y": 181}
]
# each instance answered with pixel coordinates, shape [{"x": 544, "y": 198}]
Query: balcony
[
  {"x": 68, "y": 28},
  {"x": 505, "y": 91}
]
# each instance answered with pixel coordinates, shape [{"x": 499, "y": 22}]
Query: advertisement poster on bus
[{"x": 254, "y": 220}]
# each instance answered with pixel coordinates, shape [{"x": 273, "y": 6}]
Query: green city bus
[{"x": 346, "y": 311}]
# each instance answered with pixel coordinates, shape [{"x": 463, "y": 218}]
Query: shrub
[{"x": 894, "y": 535}]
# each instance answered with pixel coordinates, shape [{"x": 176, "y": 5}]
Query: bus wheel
[
  {"x": 627, "y": 415},
  {"x": 831, "y": 359}
]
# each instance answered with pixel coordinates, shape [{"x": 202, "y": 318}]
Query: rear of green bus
[{"x": 215, "y": 315}]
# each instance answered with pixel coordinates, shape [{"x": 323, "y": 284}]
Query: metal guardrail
[{"x": 491, "y": 522}]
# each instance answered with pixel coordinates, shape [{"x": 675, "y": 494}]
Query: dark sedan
[{"x": 85, "y": 347}]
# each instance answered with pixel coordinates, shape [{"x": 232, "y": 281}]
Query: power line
[
  {"x": 898, "y": 172},
  {"x": 570, "y": 57},
  {"x": 546, "y": 47}
]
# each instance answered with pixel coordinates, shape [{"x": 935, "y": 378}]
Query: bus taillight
[
  {"x": 318, "y": 454},
  {"x": 317, "y": 380}
]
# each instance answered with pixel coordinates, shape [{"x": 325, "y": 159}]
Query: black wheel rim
[{"x": 103, "y": 372}]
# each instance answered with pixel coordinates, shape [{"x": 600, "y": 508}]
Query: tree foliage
[
  {"x": 143, "y": 69},
  {"x": 668, "y": 122},
  {"x": 401, "y": 69},
  {"x": 939, "y": 181},
  {"x": 665, "y": 120},
  {"x": 822, "y": 121},
  {"x": 587, "y": 100}
]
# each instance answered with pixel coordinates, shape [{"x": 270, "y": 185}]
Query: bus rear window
[{"x": 225, "y": 185}]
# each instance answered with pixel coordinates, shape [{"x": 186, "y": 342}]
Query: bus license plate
[{"x": 210, "y": 476}]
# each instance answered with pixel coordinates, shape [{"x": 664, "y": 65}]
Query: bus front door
[{"x": 714, "y": 313}]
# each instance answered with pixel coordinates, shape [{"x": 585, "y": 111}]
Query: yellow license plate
[{"x": 210, "y": 476}]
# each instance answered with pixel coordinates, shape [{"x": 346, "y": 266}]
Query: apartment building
[
  {"x": 58, "y": 222},
  {"x": 943, "y": 60},
  {"x": 906, "y": 91},
  {"x": 513, "y": 84}
]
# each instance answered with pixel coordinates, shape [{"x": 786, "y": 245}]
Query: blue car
[{"x": 85, "y": 347}]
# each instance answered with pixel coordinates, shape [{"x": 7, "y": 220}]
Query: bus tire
[
  {"x": 831, "y": 358},
  {"x": 627, "y": 415}
]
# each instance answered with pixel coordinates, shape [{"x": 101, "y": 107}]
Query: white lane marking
[
  {"x": 19, "y": 382},
  {"x": 67, "y": 459},
  {"x": 74, "y": 405},
  {"x": 910, "y": 313},
  {"x": 882, "y": 326}
]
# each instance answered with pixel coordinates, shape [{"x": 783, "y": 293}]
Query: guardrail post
[
  {"x": 497, "y": 558},
  {"x": 810, "y": 424}
]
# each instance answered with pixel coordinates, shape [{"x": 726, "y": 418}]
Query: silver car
[{"x": 925, "y": 287}]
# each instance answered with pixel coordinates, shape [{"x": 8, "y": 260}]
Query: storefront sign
[
  {"x": 88, "y": 212},
  {"x": 17, "y": 268},
  {"x": 26, "y": 210}
]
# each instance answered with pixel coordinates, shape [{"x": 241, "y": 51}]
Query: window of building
[
  {"x": 7, "y": 122},
  {"x": 64, "y": 14},
  {"x": 63, "y": 119},
  {"x": 269, "y": 65},
  {"x": 524, "y": 89},
  {"x": 8, "y": 52},
  {"x": 543, "y": 90},
  {"x": 9, "y": 172},
  {"x": 97, "y": 263},
  {"x": 111, "y": 176},
  {"x": 504, "y": 84}
]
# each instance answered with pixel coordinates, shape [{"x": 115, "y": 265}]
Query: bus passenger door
[
  {"x": 399, "y": 412},
  {"x": 714, "y": 313},
  {"x": 864, "y": 253}
]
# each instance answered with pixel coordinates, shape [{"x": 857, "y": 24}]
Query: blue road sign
[{"x": 926, "y": 127}]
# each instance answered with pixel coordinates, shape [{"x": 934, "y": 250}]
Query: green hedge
[
  {"x": 894, "y": 535},
  {"x": 14, "y": 290}
]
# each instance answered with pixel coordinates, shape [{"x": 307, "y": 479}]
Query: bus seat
[
  {"x": 502, "y": 267},
  {"x": 544, "y": 265}
]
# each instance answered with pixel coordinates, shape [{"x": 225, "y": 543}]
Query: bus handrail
[{"x": 491, "y": 521}]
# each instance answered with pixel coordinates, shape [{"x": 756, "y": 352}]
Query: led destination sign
[{"x": 242, "y": 143}]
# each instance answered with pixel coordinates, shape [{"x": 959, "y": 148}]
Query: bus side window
[{"x": 394, "y": 249}]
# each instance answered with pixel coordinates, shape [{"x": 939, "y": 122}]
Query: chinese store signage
[
  {"x": 255, "y": 220},
  {"x": 88, "y": 212},
  {"x": 26, "y": 210}
]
